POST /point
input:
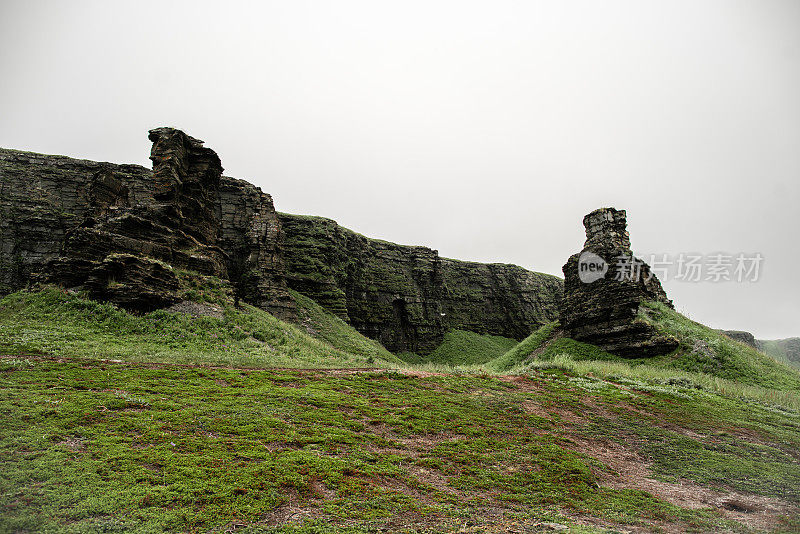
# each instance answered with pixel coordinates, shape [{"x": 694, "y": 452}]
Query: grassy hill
[
  {"x": 461, "y": 347},
  {"x": 704, "y": 356},
  {"x": 210, "y": 332},
  {"x": 104, "y": 428},
  {"x": 782, "y": 349}
]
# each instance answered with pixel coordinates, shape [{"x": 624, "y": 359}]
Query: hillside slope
[
  {"x": 91, "y": 446},
  {"x": 214, "y": 332},
  {"x": 103, "y": 427},
  {"x": 783, "y": 349},
  {"x": 703, "y": 349},
  {"x": 703, "y": 352},
  {"x": 462, "y": 347}
]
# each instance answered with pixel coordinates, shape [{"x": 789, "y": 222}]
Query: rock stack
[
  {"x": 604, "y": 286},
  {"x": 126, "y": 253}
]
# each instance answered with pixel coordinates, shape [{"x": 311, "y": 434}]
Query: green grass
[
  {"x": 52, "y": 321},
  {"x": 705, "y": 359},
  {"x": 545, "y": 344},
  {"x": 662, "y": 379},
  {"x": 323, "y": 325},
  {"x": 103, "y": 447},
  {"x": 464, "y": 348},
  {"x": 704, "y": 350},
  {"x": 92, "y": 445},
  {"x": 784, "y": 350},
  {"x": 523, "y": 350}
]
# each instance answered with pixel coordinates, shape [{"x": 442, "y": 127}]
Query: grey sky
[{"x": 485, "y": 130}]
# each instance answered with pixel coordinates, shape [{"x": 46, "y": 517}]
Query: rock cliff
[
  {"x": 131, "y": 235},
  {"x": 127, "y": 253},
  {"x": 740, "y": 335},
  {"x": 407, "y": 297},
  {"x": 125, "y": 233},
  {"x": 604, "y": 285}
]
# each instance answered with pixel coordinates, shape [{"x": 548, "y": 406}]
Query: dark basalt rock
[
  {"x": 251, "y": 235},
  {"x": 43, "y": 198},
  {"x": 125, "y": 254},
  {"x": 126, "y": 234},
  {"x": 603, "y": 308},
  {"x": 407, "y": 297}
]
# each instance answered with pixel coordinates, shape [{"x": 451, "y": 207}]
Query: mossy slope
[
  {"x": 326, "y": 326},
  {"x": 702, "y": 350},
  {"x": 52, "y": 321},
  {"x": 462, "y": 347},
  {"x": 103, "y": 447}
]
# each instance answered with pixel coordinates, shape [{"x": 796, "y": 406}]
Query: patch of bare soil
[
  {"x": 293, "y": 510},
  {"x": 631, "y": 471},
  {"x": 522, "y": 382},
  {"x": 73, "y": 444}
]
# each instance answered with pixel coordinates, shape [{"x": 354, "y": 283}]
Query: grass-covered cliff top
[
  {"x": 324, "y": 225},
  {"x": 543, "y": 435}
]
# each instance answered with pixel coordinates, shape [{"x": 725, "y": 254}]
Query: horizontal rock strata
[
  {"x": 601, "y": 307},
  {"x": 408, "y": 296},
  {"x": 122, "y": 232}
]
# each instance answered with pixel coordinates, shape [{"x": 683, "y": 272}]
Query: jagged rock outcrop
[
  {"x": 131, "y": 235},
  {"x": 407, "y": 297},
  {"x": 123, "y": 253},
  {"x": 122, "y": 231},
  {"x": 604, "y": 285}
]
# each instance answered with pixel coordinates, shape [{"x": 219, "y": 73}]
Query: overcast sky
[{"x": 485, "y": 130}]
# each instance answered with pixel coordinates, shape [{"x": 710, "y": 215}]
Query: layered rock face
[
  {"x": 407, "y": 297},
  {"x": 42, "y": 198},
  {"x": 604, "y": 285},
  {"x": 251, "y": 235},
  {"x": 740, "y": 335},
  {"x": 120, "y": 231},
  {"x": 131, "y": 235},
  {"x": 123, "y": 253}
]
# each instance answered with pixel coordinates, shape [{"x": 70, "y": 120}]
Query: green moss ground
[
  {"x": 54, "y": 322},
  {"x": 92, "y": 445},
  {"x": 101, "y": 447},
  {"x": 461, "y": 347}
]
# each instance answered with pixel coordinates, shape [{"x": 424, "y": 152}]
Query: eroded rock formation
[
  {"x": 740, "y": 335},
  {"x": 604, "y": 285},
  {"x": 123, "y": 231},
  {"x": 128, "y": 234},
  {"x": 127, "y": 253}
]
